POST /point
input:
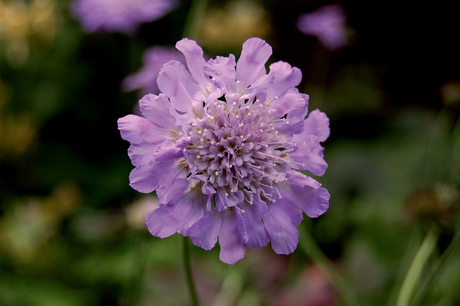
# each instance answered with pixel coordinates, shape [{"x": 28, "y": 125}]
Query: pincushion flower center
[{"x": 237, "y": 147}]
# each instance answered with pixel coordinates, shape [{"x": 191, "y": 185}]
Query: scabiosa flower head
[
  {"x": 221, "y": 145},
  {"x": 146, "y": 78},
  {"x": 326, "y": 23},
  {"x": 119, "y": 15}
]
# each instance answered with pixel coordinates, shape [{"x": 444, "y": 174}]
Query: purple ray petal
[
  {"x": 231, "y": 243},
  {"x": 253, "y": 57},
  {"x": 204, "y": 232},
  {"x": 304, "y": 193},
  {"x": 195, "y": 61},
  {"x": 170, "y": 84},
  {"x": 278, "y": 223}
]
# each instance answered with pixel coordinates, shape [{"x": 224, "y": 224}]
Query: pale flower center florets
[{"x": 236, "y": 146}]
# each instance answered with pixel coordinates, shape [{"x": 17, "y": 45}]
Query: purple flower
[
  {"x": 146, "y": 78},
  {"x": 119, "y": 15},
  {"x": 326, "y": 23},
  {"x": 221, "y": 147}
]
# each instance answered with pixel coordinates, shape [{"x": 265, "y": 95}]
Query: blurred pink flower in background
[
  {"x": 312, "y": 288},
  {"x": 326, "y": 23},
  {"x": 146, "y": 78},
  {"x": 119, "y": 15}
]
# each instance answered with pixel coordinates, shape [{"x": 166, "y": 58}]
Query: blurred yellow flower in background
[
  {"x": 29, "y": 224},
  {"x": 450, "y": 92},
  {"x": 17, "y": 131},
  {"x": 230, "y": 26},
  {"x": 20, "y": 22}
]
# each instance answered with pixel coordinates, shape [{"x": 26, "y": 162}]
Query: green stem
[
  {"x": 188, "y": 271},
  {"x": 194, "y": 17},
  {"x": 311, "y": 248},
  {"x": 403, "y": 267},
  {"x": 435, "y": 271},
  {"x": 417, "y": 266}
]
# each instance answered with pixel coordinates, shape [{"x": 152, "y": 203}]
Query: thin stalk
[
  {"x": 194, "y": 17},
  {"x": 188, "y": 271},
  {"x": 437, "y": 268},
  {"x": 416, "y": 267},
  {"x": 403, "y": 267},
  {"x": 311, "y": 248},
  {"x": 133, "y": 289}
]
